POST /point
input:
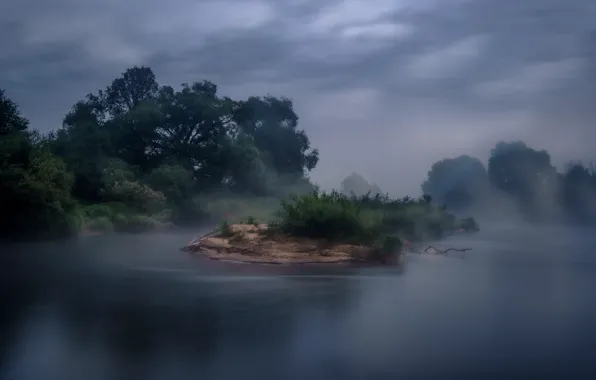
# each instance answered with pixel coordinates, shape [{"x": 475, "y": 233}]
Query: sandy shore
[{"x": 251, "y": 244}]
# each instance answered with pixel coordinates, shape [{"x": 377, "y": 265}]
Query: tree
[
  {"x": 355, "y": 184},
  {"x": 524, "y": 173},
  {"x": 175, "y": 182},
  {"x": 83, "y": 143},
  {"x": 135, "y": 86},
  {"x": 518, "y": 169},
  {"x": 35, "y": 185},
  {"x": 11, "y": 119},
  {"x": 273, "y": 124},
  {"x": 578, "y": 193},
  {"x": 135, "y": 149},
  {"x": 195, "y": 128},
  {"x": 456, "y": 182}
]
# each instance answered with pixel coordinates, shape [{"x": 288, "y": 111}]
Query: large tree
[
  {"x": 578, "y": 192},
  {"x": 456, "y": 182},
  {"x": 273, "y": 124},
  {"x": 525, "y": 174},
  {"x": 195, "y": 128},
  {"x": 35, "y": 185},
  {"x": 357, "y": 185}
]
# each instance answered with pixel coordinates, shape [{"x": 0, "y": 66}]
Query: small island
[{"x": 332, "y": 228}]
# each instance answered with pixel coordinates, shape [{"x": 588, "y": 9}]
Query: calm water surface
[{"x": 521, "y": 303}]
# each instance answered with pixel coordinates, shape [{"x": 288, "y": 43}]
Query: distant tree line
[
  {"x": 141, "y": 148},
  {"x": 521, "y": 175}
]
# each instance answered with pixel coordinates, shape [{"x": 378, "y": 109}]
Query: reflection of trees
[{"x": 136, "y": 317}]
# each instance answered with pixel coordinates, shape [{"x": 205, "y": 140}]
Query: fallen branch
[{"x": 447, "y": 250}]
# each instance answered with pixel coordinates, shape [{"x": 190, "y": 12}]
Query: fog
[{"x": 384, "y": 89}]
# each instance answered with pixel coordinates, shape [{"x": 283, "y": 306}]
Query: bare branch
[{"x": 447, "y": 250}]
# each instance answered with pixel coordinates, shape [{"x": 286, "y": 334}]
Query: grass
[{"x": 378, "y": 221}]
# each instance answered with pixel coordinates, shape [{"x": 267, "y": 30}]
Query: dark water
[{"x": 521, "y": 303}]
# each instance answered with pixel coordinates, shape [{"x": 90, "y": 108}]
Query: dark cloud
[{"x": 383, "y": 87}]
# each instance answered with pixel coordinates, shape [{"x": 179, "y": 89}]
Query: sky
[{"x": 382, "y": 87}]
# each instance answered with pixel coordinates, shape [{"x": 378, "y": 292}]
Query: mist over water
[{"x": 123, "y": 307}]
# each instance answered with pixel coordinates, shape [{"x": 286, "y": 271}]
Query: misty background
[
  {"x": 399, "y": 96},
  {"x": 383, "y": 88}
]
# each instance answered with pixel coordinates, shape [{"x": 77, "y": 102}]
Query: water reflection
[{"x": 95, "y": 310}]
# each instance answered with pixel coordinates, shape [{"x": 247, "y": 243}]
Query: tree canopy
[
  {"x": 356, "y": 185},
  {"x": 145, "y": 145},
  {"x": 456, "y": 181},
  {"x": 524, "y": 175}
]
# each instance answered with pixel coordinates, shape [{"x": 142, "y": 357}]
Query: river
[{"x": 521, "y": 303}]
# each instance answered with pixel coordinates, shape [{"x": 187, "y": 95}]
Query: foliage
[
  {"x": 34, "y": 183},
  {"x": 455, "y": 181},
  {"x": 138, "y": 155},
  {"x": 101, "y": 224},
  {"x": 251, "y": 220},
  {"x": 521, "y": 174},
  {"x": 355, "y": 184},
  {"x": 224, "y": 229},
  {"x": 377, "y": 220},
  {"x": 174, "y": 181}
]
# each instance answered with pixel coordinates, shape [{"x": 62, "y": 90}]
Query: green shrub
[
  {"x": 75, "y": 219},
  {"x": 101, "y": 223},
  {"x": 388, "y": 245},
  {"x": 320, "y": 215},
  {"x": 120, "y": 222},
  {"x": 251, "y": 220},
  {"x": 224, "y": 229},
  {"x": 174, "y": 181},
  {"x": 137, "y": 195},
  {"x": 363, "y": 220},
  {"x": 97, "y": 211},
  {"x": 164, "y": 216},
  {"x": 136, "y": 224}
]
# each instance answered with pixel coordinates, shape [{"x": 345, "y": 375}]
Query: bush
[
  {"x": 135, "y": 223},
  {"x": 376, "y": 220},
  {"x": 175, "y": 182},
  {"x": 96, "y": 211},
  {"x": 224, "y": 229},
  {"x": 75, "y": 219},
  {"x": 139, "y": 196},
  {"x": 120, "y": 222},
  {"x": 387, "y": 246},
  {"x": 251, "y": 220},
  {"x": 102, "y": 224},
  {"x": 319, "y": 215}
]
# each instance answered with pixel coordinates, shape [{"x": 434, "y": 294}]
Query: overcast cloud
[{"x": 383, "y": 87}]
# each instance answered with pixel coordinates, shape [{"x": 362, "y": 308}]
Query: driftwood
[
  {"x": 440, "y": 251},
  {"x": 447, "y": 250}
]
